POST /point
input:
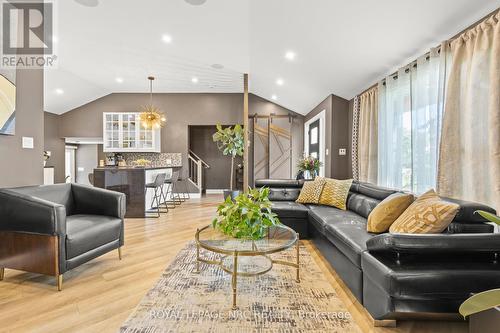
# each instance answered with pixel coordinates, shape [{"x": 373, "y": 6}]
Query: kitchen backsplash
[{"x": 157, "y": 159}]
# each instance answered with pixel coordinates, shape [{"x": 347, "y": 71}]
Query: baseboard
[
  {"x": 213, "y": 191},
  {"x": 195, "y": 195}
]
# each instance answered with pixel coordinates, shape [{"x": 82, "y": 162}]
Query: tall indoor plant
[{"x": 230, "y": 141}]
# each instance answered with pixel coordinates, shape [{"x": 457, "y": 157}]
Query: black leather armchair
[{"x": 55, "y": 228}]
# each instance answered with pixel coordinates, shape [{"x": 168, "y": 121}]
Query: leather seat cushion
[
  {"x": 350, "y": 238},
  {"x": 321, "y": 216},
  {"x": 289, "y": 209},
  {"x": 87, "y": 232},
  {"x": 430, "y": 280}
]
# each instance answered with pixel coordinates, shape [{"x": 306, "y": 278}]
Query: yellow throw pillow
[
  {"x": 311, "y": 191},
  {"x": 426, "y": 215},
  {"x": 387, "y": 211},
  {"x": 335, "y": 193}
]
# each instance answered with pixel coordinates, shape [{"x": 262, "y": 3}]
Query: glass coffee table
[{"x": 246, "y": 257}]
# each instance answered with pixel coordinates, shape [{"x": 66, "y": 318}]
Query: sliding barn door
[
  {"x": 280, "y": 148},
  {"x": 261, "y": 148}
]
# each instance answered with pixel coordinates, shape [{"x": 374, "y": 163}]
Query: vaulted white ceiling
[{"x": 341, "y": 46}]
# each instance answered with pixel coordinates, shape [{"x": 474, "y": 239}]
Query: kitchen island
[{"x": 132, "y": 181}]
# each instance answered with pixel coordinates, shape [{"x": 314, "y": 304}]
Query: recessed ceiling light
[
  {"x": 166, "y": 38},
  {"x": 217, "y": 66},
  {"x": 274, "y": 97},
  {"x": 119, "y": 80},
  {"x": 290, "y": 55},
  {"x": 194, "y": 80},
  {"x": 280, "y": 82},
  {"x": 196, "y": 2},
  {"x": 88, "y": 3},
  {"x": 59, "y": 91}
]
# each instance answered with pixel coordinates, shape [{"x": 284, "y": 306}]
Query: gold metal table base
[{"x": 234, "y": 271}]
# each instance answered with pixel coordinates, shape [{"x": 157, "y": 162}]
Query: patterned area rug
[{"x": 183, "y": 301}]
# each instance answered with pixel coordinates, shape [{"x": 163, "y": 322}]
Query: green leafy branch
[{"x": 249, "y": 216}]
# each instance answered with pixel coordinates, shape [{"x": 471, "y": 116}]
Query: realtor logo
[{"x": 27, "y": 34}]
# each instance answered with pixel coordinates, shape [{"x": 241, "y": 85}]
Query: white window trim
[{"x": 322, "y": 155}]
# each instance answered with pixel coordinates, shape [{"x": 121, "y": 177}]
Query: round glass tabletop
[{"x": 278, "y": 238}]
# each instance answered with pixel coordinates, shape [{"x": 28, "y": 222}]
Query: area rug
[{"x": 183, "y": 301}]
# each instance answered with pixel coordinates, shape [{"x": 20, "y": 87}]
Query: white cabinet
[{"x": 122, "y": 132}]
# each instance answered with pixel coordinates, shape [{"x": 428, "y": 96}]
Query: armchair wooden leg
[
  {"x": 120, "y": 253},
  {"x": 2, "y": 273},
  {"x": 59, "y": 282}
]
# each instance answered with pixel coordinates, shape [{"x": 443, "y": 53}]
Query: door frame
[
  {"x": 322, "y": 155},
  {"x": 71, "y": 164}
]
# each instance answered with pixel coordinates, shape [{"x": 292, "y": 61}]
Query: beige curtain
[
  {"x": 368, "y": 136},
  {"x": 469, "y": 162}
]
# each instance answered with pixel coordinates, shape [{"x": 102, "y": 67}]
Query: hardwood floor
[{"x": 99, "y": 296}]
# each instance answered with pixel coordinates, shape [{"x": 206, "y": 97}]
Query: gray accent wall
[
  {"x": 55, "y": 144},
  {"x": 181, "y": 109},
  {"x": 20, "y": 166},
  {"x": 336, "y": 135}
]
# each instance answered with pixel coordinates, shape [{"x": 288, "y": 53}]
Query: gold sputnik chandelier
[{"x": 151, "y": 116}]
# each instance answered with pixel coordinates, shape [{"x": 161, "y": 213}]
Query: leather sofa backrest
[
  {"x": 370, "y": 190},
  {"x": 281, "y": 189},
  {"x": 283, "y": 194},
  {"x": 363, "y": 197},
  {"x": 58, "y": 193},
  {"x": 466, "y": 212},
  {"x": 361, "y": 204},
  {"x": 279, "y": 183}
]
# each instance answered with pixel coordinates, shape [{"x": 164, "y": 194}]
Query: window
[{"x": 410, "y": 113}]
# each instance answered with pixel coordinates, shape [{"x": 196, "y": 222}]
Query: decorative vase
[{"x": 310, "y": 174}]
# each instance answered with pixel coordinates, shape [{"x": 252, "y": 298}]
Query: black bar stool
[
  {"x": 157, "y": 185},
  {"x": 185, "y": 192},
  {"x": 172, "y": 189}
]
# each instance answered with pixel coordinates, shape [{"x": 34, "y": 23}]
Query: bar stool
[
  {"x": 157, "y": 185},
  {"x": 184, "y": 180},
  {"x": 172, "y": 189}
]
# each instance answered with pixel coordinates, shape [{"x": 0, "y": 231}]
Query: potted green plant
[
  {"x": 248, "y": 216},
  {"x": 231, "y": 142},
  {"x": 309, "y": 166}
]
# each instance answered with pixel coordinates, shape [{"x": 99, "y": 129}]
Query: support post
[{"x": 246, "y": 128}]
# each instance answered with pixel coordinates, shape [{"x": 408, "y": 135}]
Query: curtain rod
[{"x": 427, "y": 54}]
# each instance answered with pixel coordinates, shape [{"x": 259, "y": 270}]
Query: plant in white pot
[{"x": 231, "y": 142}]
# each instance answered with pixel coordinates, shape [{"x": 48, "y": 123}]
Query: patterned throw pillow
[
  {"x": 426, "y": 215},
  {"x": 311, "y": 191},
  {"x": 387, "y": 211},
  {"x": 335, "y": 193}
]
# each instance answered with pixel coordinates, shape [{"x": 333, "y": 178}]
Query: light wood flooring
[{"x": 99, "y": 296}]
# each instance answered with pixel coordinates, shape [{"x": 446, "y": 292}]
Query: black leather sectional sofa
[{"x": 395, "y": 276}]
